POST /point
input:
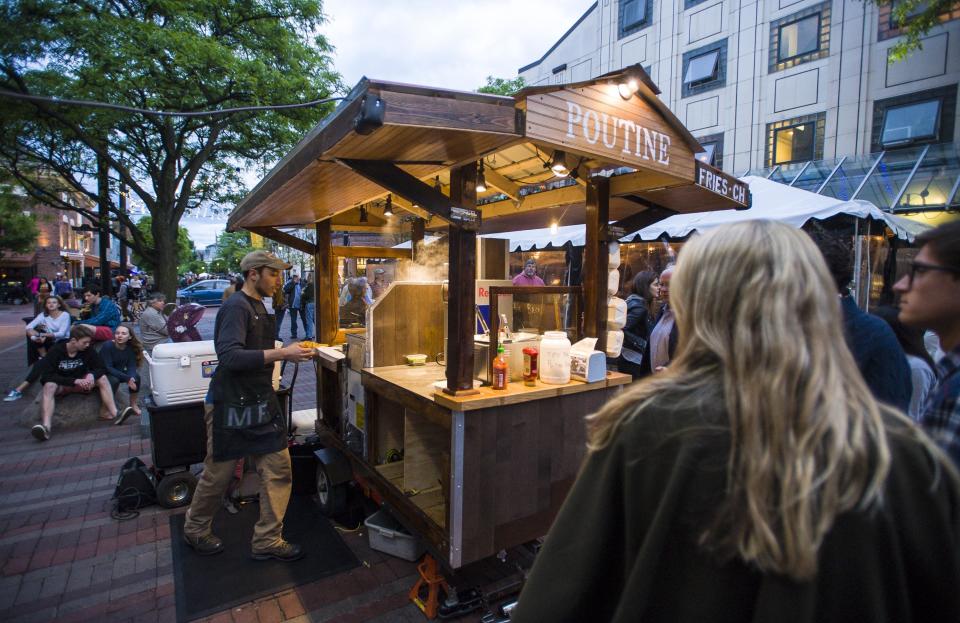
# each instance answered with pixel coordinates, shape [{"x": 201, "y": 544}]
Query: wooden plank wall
[
  {"x": 407, "y": 319},
  {"x": 519, "y": 463}
]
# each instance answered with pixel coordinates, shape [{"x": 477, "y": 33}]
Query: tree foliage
[
  {"x": 914, "y": 19},
  {"x": 174, "y": 55},
  {"x": 184, "y": 249},
  {"x": 502, "y": 86},
  {"x": 231, "y": 247},
  {"x": 18, "y": 231}
]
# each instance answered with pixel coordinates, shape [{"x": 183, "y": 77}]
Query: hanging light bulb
[
  {"x": 363, "y": 214},
  {"x": 481, "y": 180},
  {"x": 437, "y": 185},
  {"x": 388, "y": 209},
  {"x": 554, "y": 227},
  {"x": 559, "y": 164}
]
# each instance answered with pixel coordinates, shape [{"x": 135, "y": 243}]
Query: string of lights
[{"x": 160, "y": 113}]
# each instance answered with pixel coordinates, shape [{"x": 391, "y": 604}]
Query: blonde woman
[{"x": 756, "y": 478}]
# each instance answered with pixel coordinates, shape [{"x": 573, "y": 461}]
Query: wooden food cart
[{"x": 470, "y": 470}]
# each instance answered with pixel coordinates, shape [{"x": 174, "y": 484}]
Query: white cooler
[{"x": 181, "y": 372}]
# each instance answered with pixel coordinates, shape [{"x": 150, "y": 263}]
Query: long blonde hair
[{"x": 760, "y": 323}]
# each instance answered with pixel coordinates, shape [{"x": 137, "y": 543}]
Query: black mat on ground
[{"x": 208, "y": 584}]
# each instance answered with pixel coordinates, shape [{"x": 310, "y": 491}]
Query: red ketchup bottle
[{"x": 531, "y": 366}]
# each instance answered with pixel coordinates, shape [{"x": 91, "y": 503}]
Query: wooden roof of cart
[{"x": 413, "y": 135}]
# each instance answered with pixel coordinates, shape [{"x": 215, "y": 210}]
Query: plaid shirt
[{"x": 941, "y": 417}]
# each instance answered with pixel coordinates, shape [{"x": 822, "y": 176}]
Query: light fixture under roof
[
  {"x": 629, "y": 88},
  {"x": 481, "y": 180},
  {"x": 388, "y": 208},
  {"x": 363, "y": 214},
  {"x": 559, "y": 164},
  {"x": 554, "y": 227}
]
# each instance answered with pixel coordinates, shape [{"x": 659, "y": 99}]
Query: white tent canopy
[
  {"x": 777, "y": 202},
  {"x": 771, "y": 200}
]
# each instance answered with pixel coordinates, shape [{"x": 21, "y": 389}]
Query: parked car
[{"x": 206, "y": 292}]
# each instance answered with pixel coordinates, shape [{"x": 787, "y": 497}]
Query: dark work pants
[{"x": 296, "y": 312}]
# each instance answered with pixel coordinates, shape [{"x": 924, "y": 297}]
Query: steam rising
[{"x": 430, "y": 265}]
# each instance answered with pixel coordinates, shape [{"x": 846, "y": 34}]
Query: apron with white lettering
[{"x": 248, "y": 419}]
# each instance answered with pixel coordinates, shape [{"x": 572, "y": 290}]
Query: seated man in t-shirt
[{"x": 73, "y": 367}]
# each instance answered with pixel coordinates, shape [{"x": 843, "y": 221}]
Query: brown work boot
[
  {"x": 283, "y": 551},
  {"x": 205, "y": 545}
]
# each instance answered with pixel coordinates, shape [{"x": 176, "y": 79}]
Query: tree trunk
[
  {"x": 165, "y": 251},
  {"x": 103, "y": 226}
]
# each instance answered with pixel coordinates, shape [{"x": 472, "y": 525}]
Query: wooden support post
[
  {"x": 461, "y": 300},
  {"x": 325, "y": 284},
  {"x": 595, "y": 257},
  {"x": 416, "y": 237}
]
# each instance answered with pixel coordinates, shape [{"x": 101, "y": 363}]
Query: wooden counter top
[{"x": 420, "y": 379}]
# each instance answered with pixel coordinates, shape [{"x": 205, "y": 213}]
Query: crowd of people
[
  {"x": 764, "y": 467},
  {"x": 75, "y": 347}
]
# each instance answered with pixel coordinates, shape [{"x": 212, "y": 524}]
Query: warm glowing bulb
[
  {"x": 627, "y": 89},
  {"x": 554, "y": 228}
]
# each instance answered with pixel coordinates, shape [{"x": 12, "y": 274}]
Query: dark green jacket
[{"x": 624, "y": 546}]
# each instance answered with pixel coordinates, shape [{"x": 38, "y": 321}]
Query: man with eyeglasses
[{"x": 930, "y": 298}]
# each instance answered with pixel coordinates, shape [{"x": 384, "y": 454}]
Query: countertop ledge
[{"x": 420, "y": 379}]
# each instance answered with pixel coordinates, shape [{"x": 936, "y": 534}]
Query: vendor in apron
[{"x": 243, "y": 416}]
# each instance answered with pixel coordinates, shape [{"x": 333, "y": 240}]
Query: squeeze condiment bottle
[
  {"x": 531, "y": 367},
  {"x": 501, "y": 369}
]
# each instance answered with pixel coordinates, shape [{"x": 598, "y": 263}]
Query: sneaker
[
  {"x": 12, "y": 395},
  {"x": 123, "y": 415},
  {"x": 282, "y": 551},
  {"x": 40, "y": 432},
  {"x": 205, "y": 545}
]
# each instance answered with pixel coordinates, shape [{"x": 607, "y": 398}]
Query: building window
[
  {"x": 800, "y": 38},
  {"x": 704, "y": 69},
  {"x": 634, "y": 15},
  {"x": 921, "y": 117},
  {"x": 887, "y": 27},
  {"x": 691, "y": 3},
  {"x": 712, "y": 150},
  {"x": 910, "y": 123},
  {"x": 795, "y": 140}
]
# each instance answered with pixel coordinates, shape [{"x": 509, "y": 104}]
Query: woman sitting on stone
[{"x": 122, "y": 358}]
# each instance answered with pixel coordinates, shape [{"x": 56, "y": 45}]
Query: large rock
[{"x": 70, "y": 411}]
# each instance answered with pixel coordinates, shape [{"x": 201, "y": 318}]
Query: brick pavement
[{"x": 63, "y": 558}]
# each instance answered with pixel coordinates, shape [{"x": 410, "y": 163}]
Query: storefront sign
[
  {"x": 595, "y": 120},
  {"x": 721, "y": 184}
]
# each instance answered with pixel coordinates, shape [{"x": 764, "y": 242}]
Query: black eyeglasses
[{"x": 920, "y": 268}]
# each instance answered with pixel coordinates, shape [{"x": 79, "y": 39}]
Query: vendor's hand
[
  {"x": 297, "y": 353},
  {"x": 132, "y": 383}
]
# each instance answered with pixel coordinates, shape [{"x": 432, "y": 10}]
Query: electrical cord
[{"x": 160, "y": 113}]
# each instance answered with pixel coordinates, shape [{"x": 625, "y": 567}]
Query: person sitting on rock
[
  {"x": 73, "y": 367},
  {"x": 122, "y": 358}
]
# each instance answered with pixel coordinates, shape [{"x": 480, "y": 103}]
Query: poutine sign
[{"x": 595, "y": 120}]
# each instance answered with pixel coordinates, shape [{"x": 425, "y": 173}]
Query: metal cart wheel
[
  {"x": 176, "y": 489},
  {"x": 332, "y": 498}
]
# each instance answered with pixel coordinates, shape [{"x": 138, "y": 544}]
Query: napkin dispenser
[{"x": 587, "y": 364}]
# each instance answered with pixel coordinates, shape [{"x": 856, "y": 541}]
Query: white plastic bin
[
  {"x": 386, "y": 535},
  {"x": 180, "y": 372}
]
